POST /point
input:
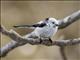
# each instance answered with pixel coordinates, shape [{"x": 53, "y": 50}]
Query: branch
[
  {"x": 69, "y": 20},
  {"x": 63, "y": 53},
  {"x": 7, "y": 48},
  {"x": 18, "y": 40}
]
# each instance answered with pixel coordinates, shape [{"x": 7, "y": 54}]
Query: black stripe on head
[{"x": 47, "y": 19}]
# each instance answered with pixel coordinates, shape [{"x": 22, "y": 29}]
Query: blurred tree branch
[
  {"x": 18, "y": 40},
  {"x": 63, "y": 53},
  {"x": 69, "y": 19}
]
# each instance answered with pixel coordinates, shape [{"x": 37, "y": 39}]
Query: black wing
[
  {"x": 34, "y": 25},
  {"x": 39, "y": 25}
]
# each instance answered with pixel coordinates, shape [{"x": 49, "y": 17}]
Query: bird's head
[{"x": 52, "y": 21}]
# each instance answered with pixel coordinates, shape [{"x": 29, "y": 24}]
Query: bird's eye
[{"x": 53, "y": 22}]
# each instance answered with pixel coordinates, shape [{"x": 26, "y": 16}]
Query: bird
[{"x": 43, "y": 29}]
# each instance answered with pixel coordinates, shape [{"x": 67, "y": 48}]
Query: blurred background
[{"x": 29, "y": 12}]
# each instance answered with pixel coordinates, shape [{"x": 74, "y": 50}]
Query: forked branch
[{"x": 18, "y": 40}]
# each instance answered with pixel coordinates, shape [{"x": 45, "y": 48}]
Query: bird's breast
[{"x": 46, "y": 31}]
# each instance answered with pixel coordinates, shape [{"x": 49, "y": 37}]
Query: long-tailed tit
[{"x": 43, "y": 29}]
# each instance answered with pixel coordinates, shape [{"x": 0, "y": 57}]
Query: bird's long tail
[
  {"x": 33, "y": 26},
  {"x": 22, "y": 26},
  {"x": 30, "y": 26}
]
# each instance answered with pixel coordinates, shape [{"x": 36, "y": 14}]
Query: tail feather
[
  {"x": 29, "y": 26},
  {"x": 22, "y": 26}
]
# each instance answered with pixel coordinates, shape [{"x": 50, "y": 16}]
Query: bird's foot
[
  {"x": 50, "y": 40},
  {"x": 40, "y": 40}
]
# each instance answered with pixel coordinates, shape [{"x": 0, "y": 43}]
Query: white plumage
[{"x": 42, "y": 29}]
